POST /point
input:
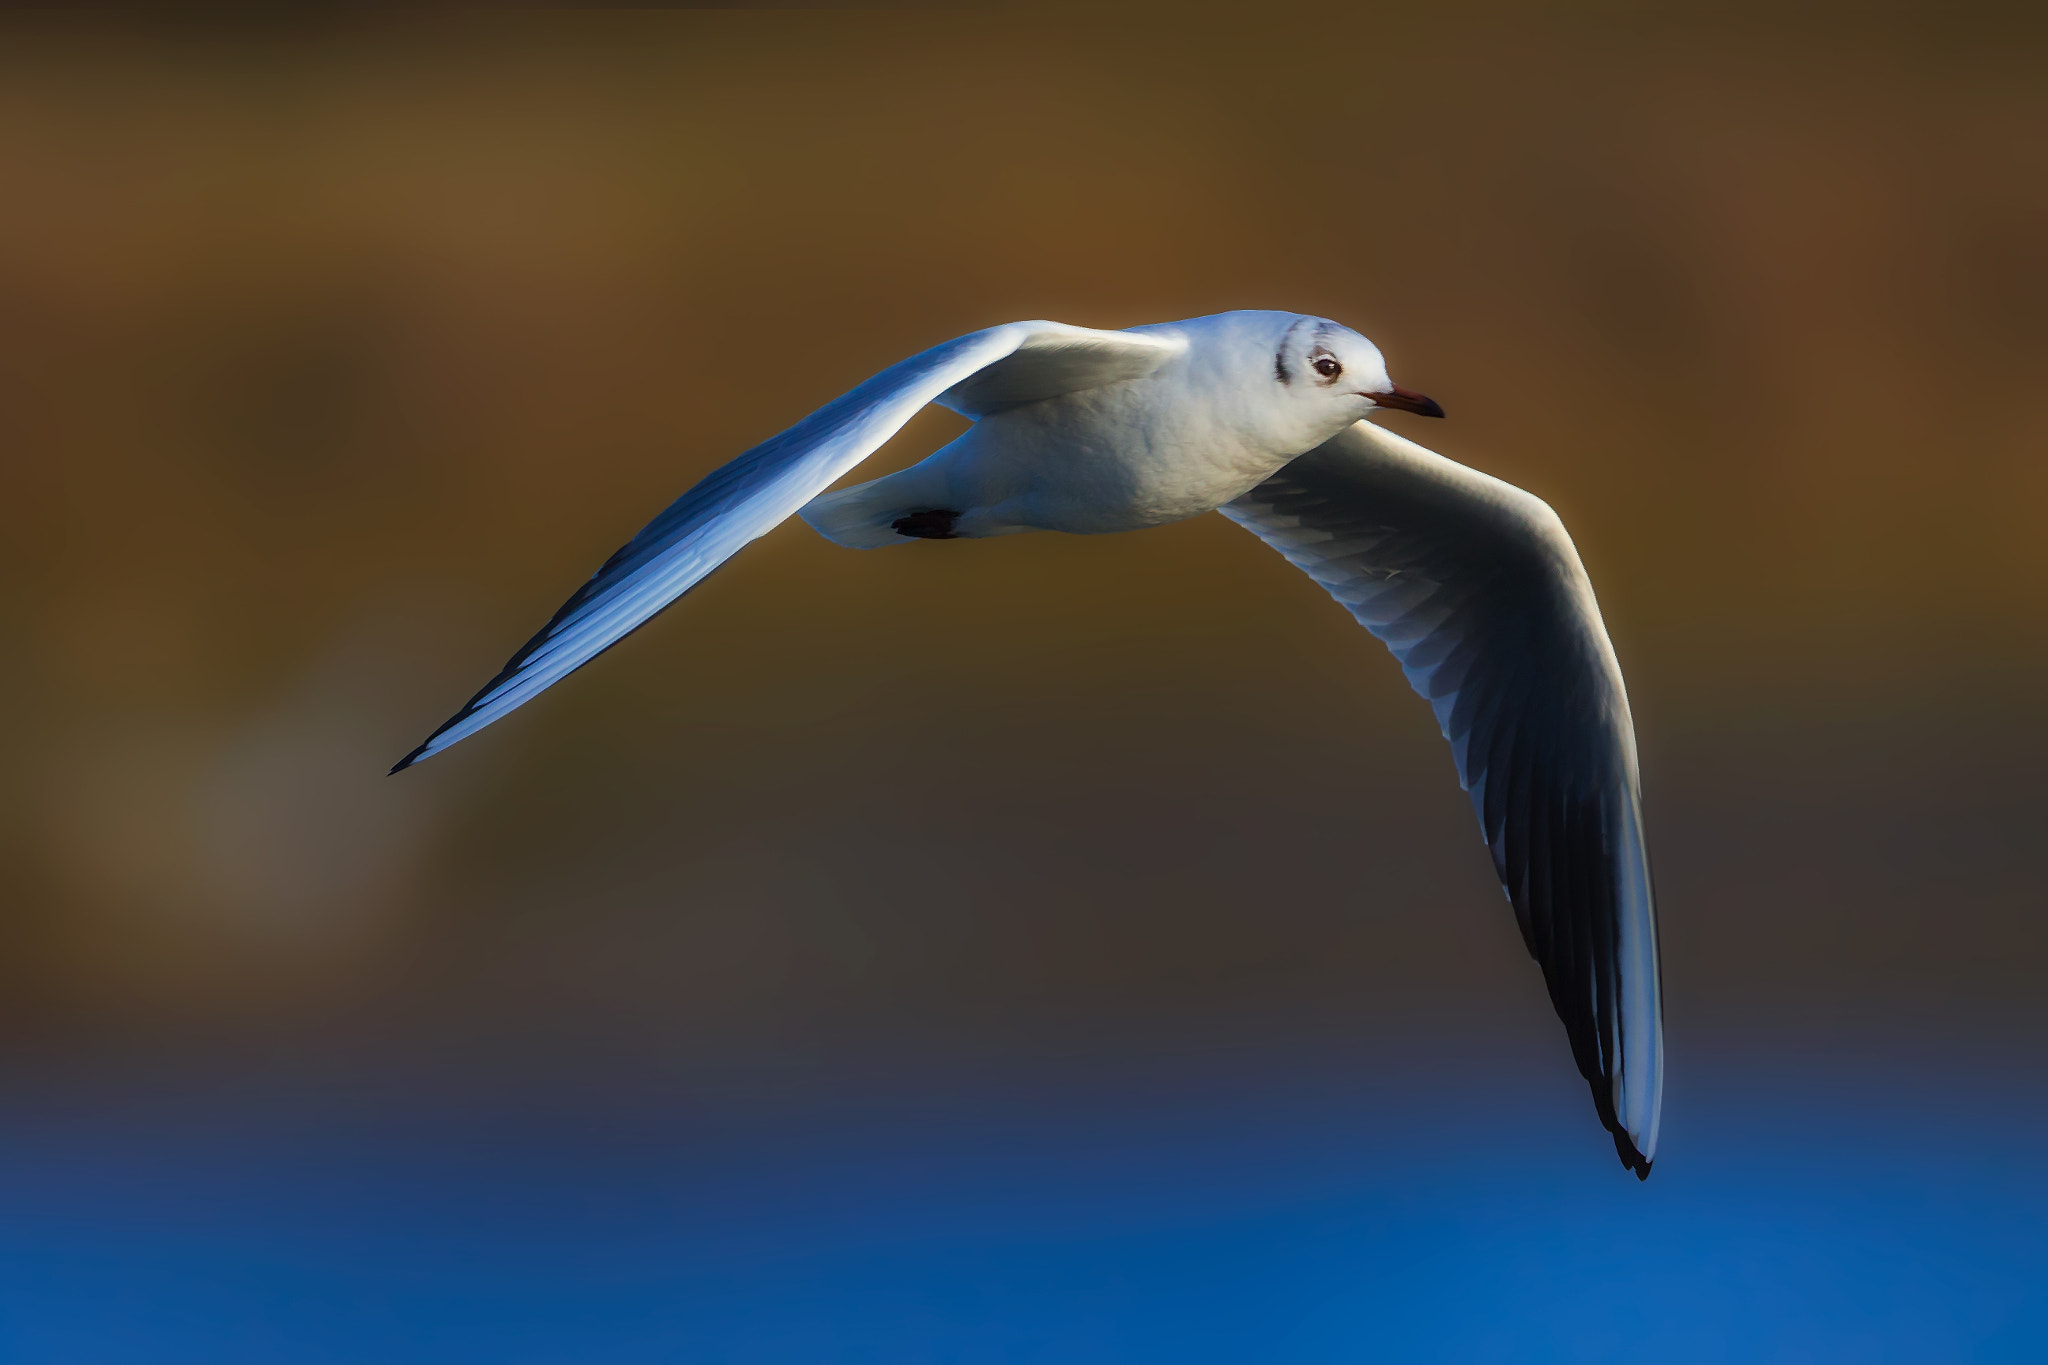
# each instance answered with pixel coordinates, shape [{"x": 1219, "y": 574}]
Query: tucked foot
[{"x": 936, "y": 524}]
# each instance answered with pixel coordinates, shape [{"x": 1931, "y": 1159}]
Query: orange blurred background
[{"x": 333, "y": 355}]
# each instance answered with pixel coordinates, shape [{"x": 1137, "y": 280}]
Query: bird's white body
[
  {"x": 1472, "y": 584},
  {"x": 1208, "y": 425}
]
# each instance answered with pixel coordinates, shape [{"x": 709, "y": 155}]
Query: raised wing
[
  {"x": 1478, "y": 591},
  {"x": 1056, "y": 359},
  {"x": 980, "y": 372}
]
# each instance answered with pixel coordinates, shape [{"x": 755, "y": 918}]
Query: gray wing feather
[
  {"x": 756, "y": 492},
  {"x": 1478, "y": 591}
]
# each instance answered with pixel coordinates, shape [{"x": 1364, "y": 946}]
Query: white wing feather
[{"x": 975, "y": 374}]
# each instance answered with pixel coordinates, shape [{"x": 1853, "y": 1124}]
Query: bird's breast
[{"x": 1100, "y": 461}]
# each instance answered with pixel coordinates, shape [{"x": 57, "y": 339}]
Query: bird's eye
[{"x": 1327, "y": 366}]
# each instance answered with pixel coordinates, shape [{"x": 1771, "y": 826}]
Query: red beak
[{"x": 1407, "y": 400}]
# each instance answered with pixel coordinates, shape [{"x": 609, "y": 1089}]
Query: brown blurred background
[{"x": 334, "y": 355}]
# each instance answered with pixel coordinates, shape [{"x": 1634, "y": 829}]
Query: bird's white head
[{"x": 1342, "y": 374}]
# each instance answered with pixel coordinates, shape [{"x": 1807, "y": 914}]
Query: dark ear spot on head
[{"x": 1280, "y": 370}]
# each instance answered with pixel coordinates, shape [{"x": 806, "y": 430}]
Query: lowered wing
[{"x": 1478, "y": 591}]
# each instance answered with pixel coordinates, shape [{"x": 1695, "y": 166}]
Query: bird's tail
[{"x": 864, "y": 516}]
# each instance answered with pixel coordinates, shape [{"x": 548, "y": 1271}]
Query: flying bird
[{"x": 1472, "y": 583}]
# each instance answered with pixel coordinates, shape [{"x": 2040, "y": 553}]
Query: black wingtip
[
  {"x": 426, "y": 745},
  {"x": 1630, "y": 1157}
]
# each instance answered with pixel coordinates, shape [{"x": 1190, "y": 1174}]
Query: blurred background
[{"x": 1038, "y": 949}]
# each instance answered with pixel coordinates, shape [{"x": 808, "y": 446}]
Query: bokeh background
[{"x": 1040, "y": 949}]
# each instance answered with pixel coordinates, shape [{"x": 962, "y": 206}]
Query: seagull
[{"x": 1472, "y": 583}]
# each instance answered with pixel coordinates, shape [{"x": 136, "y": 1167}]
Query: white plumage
[{"x": 1473, "y": 584}]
